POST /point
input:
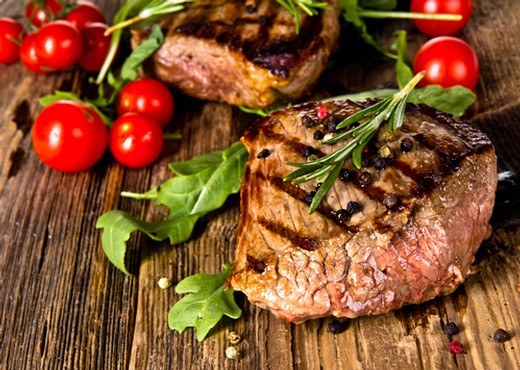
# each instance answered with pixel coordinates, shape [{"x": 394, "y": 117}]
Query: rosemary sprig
[
  {"x": 152, "y": 9},
  {"x": 391, "y": 110},
  {"x": 311, "y": 7}
]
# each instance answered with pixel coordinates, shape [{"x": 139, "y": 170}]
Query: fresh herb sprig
[
  {"x": 311, "y": 7},
  {"x": 391, "y": 109},
  {"x": 209, "y": 299}
]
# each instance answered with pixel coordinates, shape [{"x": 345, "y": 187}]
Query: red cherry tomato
[
  {"x": 11, "y": 34},
  {"x": 448, "y": 61},
  {"x": 441, "y": 28},
  {"x": 69, "y": 136},
  {"x": 28, "y": 55},
  {"x": 96, "y": 46},
  {"x": 149, "y": 97},
  {"x": 85, "y": 13},
  {"x": 135, "y": 140},
  {"x": 39, "y": 16},
  {"x": 59, "y": 45}
]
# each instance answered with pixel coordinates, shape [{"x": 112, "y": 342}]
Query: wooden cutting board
[{"x": 63, "y": 306}]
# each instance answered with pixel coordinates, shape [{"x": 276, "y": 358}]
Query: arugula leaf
[
  {"x": 404, "y": 63},
  {"x": 350, "y": 11},
  {"x": 141, "y": 53},
  {"x": 209, "y": 300},
  {"x": 202, "y": 185},
  {"x": 454, "y": 100}
]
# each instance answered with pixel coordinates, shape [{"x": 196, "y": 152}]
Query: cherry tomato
[
  {"x": 149, "y": 97},
  {"x": 85, "y": 13},
  {"x": 135, "y": 140},
  {"x": 39, "y": 16},
  {"x": 59, "y": 45},
  {"x": 96, "y": 46},
  {"x": 28, "y": 54},
  {"x": 441, "y": 28},
  {"x": 69, "y": 136},
  {"x": 11, "y": 34},
  {"x": 448, "y": 61}
]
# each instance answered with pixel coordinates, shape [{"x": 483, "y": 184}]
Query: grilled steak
[
  {"x": 401, "y": 230},
  {"x": 244, "y": 54}
]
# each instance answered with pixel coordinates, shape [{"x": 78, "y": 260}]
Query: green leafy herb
[
  {"x": 354, "y": 12},
  {"x": 201, "y": 185},
  {"x": 209, "y": 299},
  {"x": 391, "y": 110},
  {"x": 311, "y": 7}
]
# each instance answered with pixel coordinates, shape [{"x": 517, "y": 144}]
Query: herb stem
[
  {"x": 364, "y": 13},
  {"x": 139, "y": 196},
  {"x": 391, "y": 109},
  {"x": 123, "y": 24}
]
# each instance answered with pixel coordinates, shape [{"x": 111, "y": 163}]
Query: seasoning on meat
[{"x": 377, "y": 260}]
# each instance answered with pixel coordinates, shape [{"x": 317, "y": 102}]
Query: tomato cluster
[
  {"x": 71, "y": 136},
  {"x": 448, "y": 61},
  {"x": 66, "y": 34}
]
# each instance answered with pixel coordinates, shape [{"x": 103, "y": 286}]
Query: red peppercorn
[
  {"x": 456, "y": 347},
  {"x": 322, "y": 112}
]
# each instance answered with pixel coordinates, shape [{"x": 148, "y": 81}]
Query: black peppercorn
[
  {"x": 331, "y": 122},
  {"x": 366, "y": 162},
  {"x": 250, "y": 9},
  {"x": 353, "y": 207},
  {"x": 406, "y": 144},
  {"x": 390, "y": 201},
  {"x": 308, "y": 122},
  {"x": 365, "y": 179},
  {"x": 318, "y": 185},
  {"x": 310, "y": 196},
  {"x": 502, "y": 336},
  {"x": 308, "y": 151},
  {"x": 337, "y": 327},
  {"x": 451, "y": 328},
  {"x": 318, "y": 135},
  {"x": 342, "y": 215},
  {"x": 379, "y": 164},
  {"x": 347, "y": 175},
  {"x": 264, "y": 153}
]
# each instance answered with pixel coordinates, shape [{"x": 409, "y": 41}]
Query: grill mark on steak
[
  {"x": 301, "y": 195},
  {"x": 302, "y": 242}
]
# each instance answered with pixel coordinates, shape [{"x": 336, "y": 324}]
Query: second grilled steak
[
  {"x": 401, "y": 230},
  {"x": 245, "y": 54}
]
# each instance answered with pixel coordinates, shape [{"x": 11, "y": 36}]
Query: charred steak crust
[
  {"x": 404, "y": 237},
  {"x": 226, "y": 51}
]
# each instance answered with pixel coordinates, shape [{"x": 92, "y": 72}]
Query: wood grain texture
[{"x": 63, "y": 306}]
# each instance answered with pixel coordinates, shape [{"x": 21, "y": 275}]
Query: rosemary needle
[{"x": 391, "y": 110}]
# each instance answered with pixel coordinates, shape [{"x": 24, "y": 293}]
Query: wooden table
[{"x": 64, "y": 306}]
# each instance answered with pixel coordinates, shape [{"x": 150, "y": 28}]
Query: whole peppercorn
[
  {"x": 337, "y": 326},
  {"x": 366, "y": 162},
  {"x": 353, "y": 207},
  {"x": 379, "y": 164},
  {"x": 346, "y": 175},
  {"x": 456, "y": 347},
  {"x": 322, "y": 112},
  {"x": 308, "y": 151},
  {"x": 318, "y": 135},
  {"x": 390, "y": 201},
  {"x": 310, "y": 196},
  {"x": 365, "y": 179},
  {"x": 451, "y": 328},
  {"x": 332, "y": 122},
  {"x": 308, "y": 122},
  {"x": 264, "y": 153},
  {"x": 342, "y": 215},
  {"x": 501, "y": 336},
  {"x": 406, "y": 145}
]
